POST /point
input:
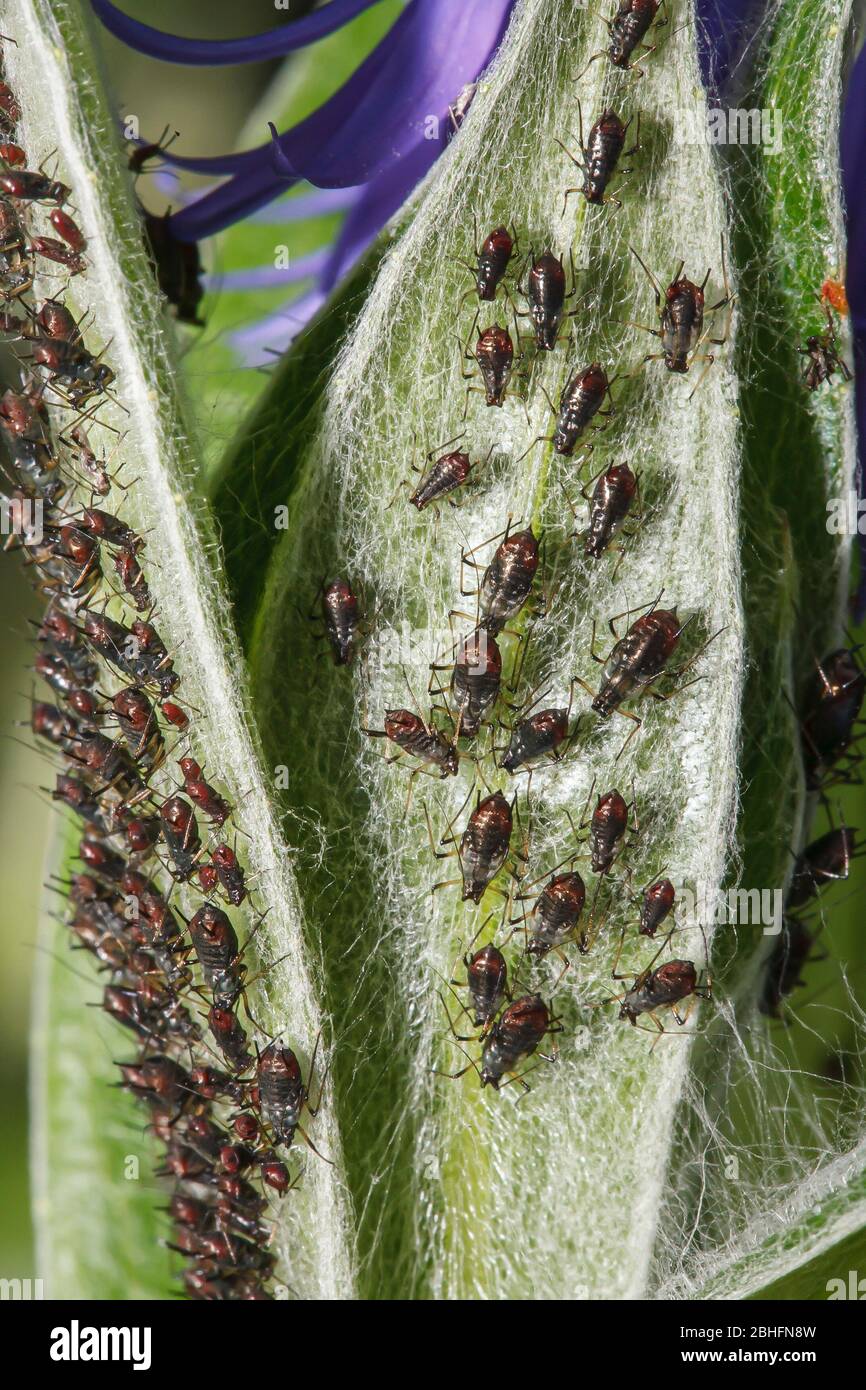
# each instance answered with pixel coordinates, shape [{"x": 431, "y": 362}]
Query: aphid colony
[
  {"x": 468, "y": 682},
  {"x": 225, "y": 1112}
]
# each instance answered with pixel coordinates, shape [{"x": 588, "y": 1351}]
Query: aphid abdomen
[
  {"x": 484, "y": 845},
  {"x": 556, "y": 912},
  {"x": 508, "y": 579},
  {"x": 281, "y": 1091},
  {"x": 487, "y": 975},
  {"x": 579, "y": 403},
  {"x": 493, "y": 262},
  {"x": 515, "y": 1035},
  {"x": 546, "y": 299},
  {"x": 446, "y": 474},
  {"x": 476, "y": 679},
  {"x": 611, "y": 500},
  {"x": 603, "y": 149},
  {"x": 638, "y": 658},
  {"x": 341, "y": 613},
  {"x": 494, "y": 353},
  {"x": 535, "y": 737},
  {"x": 682, "y": 322},
  {"x": 628, "y": 27}
]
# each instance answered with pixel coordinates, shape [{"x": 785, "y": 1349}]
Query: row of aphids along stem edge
[
  {"x": 509, "y": 1030},
  {"x": 224, "y": 1111}
]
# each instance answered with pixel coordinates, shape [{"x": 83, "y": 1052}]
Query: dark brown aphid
[
  {"x": 139, "y": 726},
  {"x": 177, "y": 265},
  {"x": 556, "y": 913},
  {"x": 656, "y": 906},
  {"x": 282, "y": 1093},
  {"x": 13, "y": 155},
  {"x": 175, "y": 715},
  {"x": 229, "y": 1037},
  {"x": 84, "y": 456},
  {"x": 782, "y": 969},
  {"x": 159, "y": 1080},
  {"x": 608, "y": 508},
  {"x": 16, "y": 274},
  {"x": 538, "y": 736},
  {"x": 142, "y": 833},
  {"x": 109, "y": 529},
  {"x": 507, "y": 580},
  {"x": 56, "y": 321},
  {"x": 638, "y": 658},
  {"x": 600, "y": 156},
  {"x": 32, "y": 186},
  {"x": 627, "y": 30},
  {"x": 216, "y": 946},
  {"x": 494, "y": 355},
  {"x": 663, "y": 987},
  {"x": 132, "y": 578},
  {"x": 230, "y": 874},
  {"x": 74, "y": 368},
  {"x": 513, "y": 1037},
  {"x": 484, "y": 845},
  {"x": 422, "y": 741},
  {"x": 99, "y": 859},
  {"x": 492, "y": 258},
  {"x": 68, "y": 229},
  {"x": 832, "y": 705},
  {"x": 476, "y": 679},
  {"x": 10, "y": 109},
  {"x": 180, "y": 833},
  {"x": 822, "y": 352},
  {"x": 443, "y": 477},
  {"x": 581, "y": 400},
  {"x": 681, "y": 312},
  {"x": 607, "y": 826},
  {"x": 547, "y": 298},
  {"x": 826, "y": 860},
  {"x": 54, "y": 250},
  {"x": 342, "y": 615},
  {"x": 215, "y": 807},
  {"x": 487, "y": 981}
]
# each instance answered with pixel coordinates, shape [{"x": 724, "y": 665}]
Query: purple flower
[
  {"x": 379, "y": 135},
  {"x": 725, "y": 31}
]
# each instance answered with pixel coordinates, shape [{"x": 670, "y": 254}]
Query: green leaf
[
  {"x": 52, "y": 71},
  {"x": 457, "y": 1193}
]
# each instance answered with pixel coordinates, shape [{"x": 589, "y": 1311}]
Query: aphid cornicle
[
  {"x": 831, "y": 706},
  {"x": 656, "y": 906},
  {"x": 487, "y": 981},
  {"x": 609, "y": 506},
  {"x": 514, "y": 1036},
  {"x": 341, "y": 614},
  {"x": 476, "y": 679},
  {"x": 507, "y": 580},
  {"x": 423, "y": 741},
  {"x": 484, "y": 845},
  {"x": 664, "y": 987},
  {"x": 556, "y": 913},
  {"x": 638, "y": 658},
  {"x": 537, "y": 736},
  {"x": 825, "y": 860}
]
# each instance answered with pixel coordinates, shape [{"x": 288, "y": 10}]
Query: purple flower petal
[
  {"x": 724, "y": 29},
  {"x": 268, "y": 276},
  {"x": 258, "y": 344},
  {"x": 254, "y": 48},
  {"x": 399, "y": 95},
  {"x": 323, "y": 202}
]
